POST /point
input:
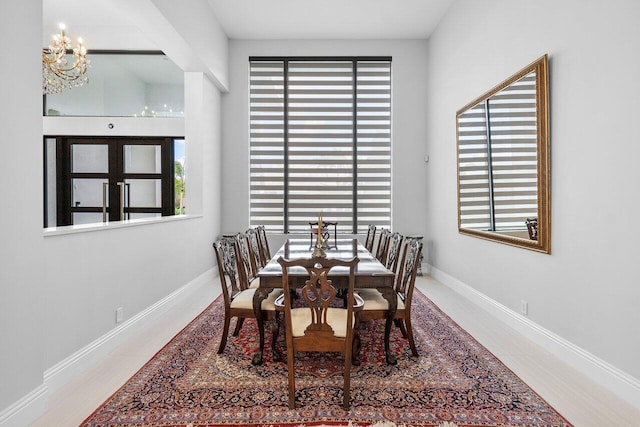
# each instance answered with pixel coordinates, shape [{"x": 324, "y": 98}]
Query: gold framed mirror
[{"x": 503, "y": 162}]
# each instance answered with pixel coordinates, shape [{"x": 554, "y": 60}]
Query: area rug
[{"x": 455, "y": 381}]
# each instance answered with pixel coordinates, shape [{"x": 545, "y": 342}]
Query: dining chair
[
  {"x": 326, "y": 234},
  {"x": 318, "y": 322},
  {"x": 247, "y": 260},
  {"x": 253, "y": 239},
  {"x": 238, "y": 297},
  {"x": 264, "y": 243},
  {"x": 383, "y": 240},
  {"x": 376, "y": 307},
  {"x": 381, "y": 249},
  {"x": 394, "y": 244},
  {"x": 532, "y": 228},
  {"x": 371, "y": 235}
]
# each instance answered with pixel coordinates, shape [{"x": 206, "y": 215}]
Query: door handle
[
  {"x": 121, "y": 185},
  {"x": 128, "y": 199},
  {"x": 105, "y": 189}
]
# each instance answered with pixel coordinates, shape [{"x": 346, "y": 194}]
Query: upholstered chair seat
[{"x": 245, "y": 299}]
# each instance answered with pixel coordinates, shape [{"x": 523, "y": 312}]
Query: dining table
[{"x": 369, "y": 273}]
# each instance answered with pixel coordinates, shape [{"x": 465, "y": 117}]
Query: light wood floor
[{"x": 580, "y": 400}]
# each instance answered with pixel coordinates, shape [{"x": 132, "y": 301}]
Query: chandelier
[{"x": 58, "y": 72}]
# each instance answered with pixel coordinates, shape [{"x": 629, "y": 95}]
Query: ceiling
[
  {"x": 329, "y": 19},
  {"x": 267, "y": 19}
]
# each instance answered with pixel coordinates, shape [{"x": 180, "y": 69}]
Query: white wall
[
  {"x": 408, "y": 116},
  {"x": 21, "y": 245},
  {"x": 91, "y": 274},
  {"x": 587, "y": 290},
  {"x": 59, "y": 293}
]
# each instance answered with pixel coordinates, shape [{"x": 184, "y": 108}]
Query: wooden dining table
[{"x": 369, "y": 273}]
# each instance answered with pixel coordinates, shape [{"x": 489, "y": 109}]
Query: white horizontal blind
[
  {"x": 374, "y": 144},
  {"x": 475, "y": 207},
  {"x": 303, "y": 157},
  {"x": 501, "y": 195},
  {"x": 266, "y": 141},
  {"x": 320, "y": 143},
  {"x": 513, "y": 130}
]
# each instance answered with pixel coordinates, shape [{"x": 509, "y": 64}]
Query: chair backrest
[
  {"x": 532, "y": 228},
  {"x": 393, "y": 250},
  {"x": 381, "y": 250},
  {"x": 371, "y": 235},
  {"x": 246, "y": 261},
  {"x": 225, "y": 250},
  {"x": 257, "y": 258},
  {"x": 319, "y": 295},
  {"x": 326, "y": 233},
  {"x": 406, "y": 277},
  {"x": 264, "y": 243}
]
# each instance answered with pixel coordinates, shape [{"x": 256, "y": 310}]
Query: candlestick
[{"x": 319, "y": 251}]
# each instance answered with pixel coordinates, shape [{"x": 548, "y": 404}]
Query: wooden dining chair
[
  {"x": 326, "y": 234},
  {"x": 376, "y": 307},
  {"x": 319, "y": 323},
  {"x": 247, "y": 260},
  {"x": 371, "y": 235},
  {"x": 238, "y": 297},
  {"x": 253, "y": 239},
  {"x": 532, "y": 228},
  {"x": 383, "y": 240},
  {"x": 264, "y": 243},
  {"x": 394, "y": 244}
]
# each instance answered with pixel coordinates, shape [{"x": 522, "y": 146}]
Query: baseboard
[
  {"x": 27, "y": 409},
  {"x": 617, "y": 381},
  {"x": 61, "y": 373},
  {"x": 30, "y": 407}
]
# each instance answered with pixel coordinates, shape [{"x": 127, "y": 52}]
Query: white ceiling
[
  {"x": 329, "y": 19},
  {"x": 267, "y": 19}
]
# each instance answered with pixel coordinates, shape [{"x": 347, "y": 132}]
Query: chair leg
[
  {"x": 239, "y": 323},
  {"x": 412, "y": 343},
  {"x": 346, "y": 392},
  {"x": 225, "y": 332},
  {"x": 277, "y": 357},
  {"x": 355, "y": 349},
  {"x": 291, "y": 376},
  {"x": 400, "y": 324}
]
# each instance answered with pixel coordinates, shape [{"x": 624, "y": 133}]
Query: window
[
  {"x": 320, "y": 140},
  {"x": 92, "y": 180}
]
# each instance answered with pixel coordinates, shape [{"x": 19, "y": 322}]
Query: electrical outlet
[
  {"x": 524, "y": 307},
  {"x": 119, "y": 314}
]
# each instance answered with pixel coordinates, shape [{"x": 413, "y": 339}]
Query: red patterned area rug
[{"x": 455, "y": 381}]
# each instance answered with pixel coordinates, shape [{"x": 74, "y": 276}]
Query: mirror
[{"x": 503, "y": 162}]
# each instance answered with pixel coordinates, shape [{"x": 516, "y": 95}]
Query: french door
[{"x": 113, "y": 179}]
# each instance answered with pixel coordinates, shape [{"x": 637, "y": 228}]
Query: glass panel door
[
  {"x": 99, "y": 180},
  {"x": 83, "y": 174},
  {"x": 147, "y": 174}
]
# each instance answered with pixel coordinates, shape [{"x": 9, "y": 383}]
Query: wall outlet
[
  {"x": 119, "y": 314},
  {"x": 524, "y": 307}
]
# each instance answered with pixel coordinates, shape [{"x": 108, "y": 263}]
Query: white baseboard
[
  {"x": 62, "y": 372},
  {"x": 617, "y": 381},
  {"x": 34, "y": 404},
  {"x": 27, "y": 409}
]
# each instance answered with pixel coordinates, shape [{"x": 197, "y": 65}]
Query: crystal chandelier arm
[{"x": 56, "y": 70}]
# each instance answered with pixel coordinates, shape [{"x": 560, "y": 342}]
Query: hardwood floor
[{"x": 580, "y": 400}]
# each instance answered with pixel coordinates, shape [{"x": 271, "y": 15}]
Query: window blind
[
  {"x": 374, "y": 144},
  {"x": 320, "y": 137},
  {"x": 267, "y": 148},
  {"x": 513, "y": 130},
  {"x": 498, "y": 161},
  {"x": 473, "y": 146}
]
